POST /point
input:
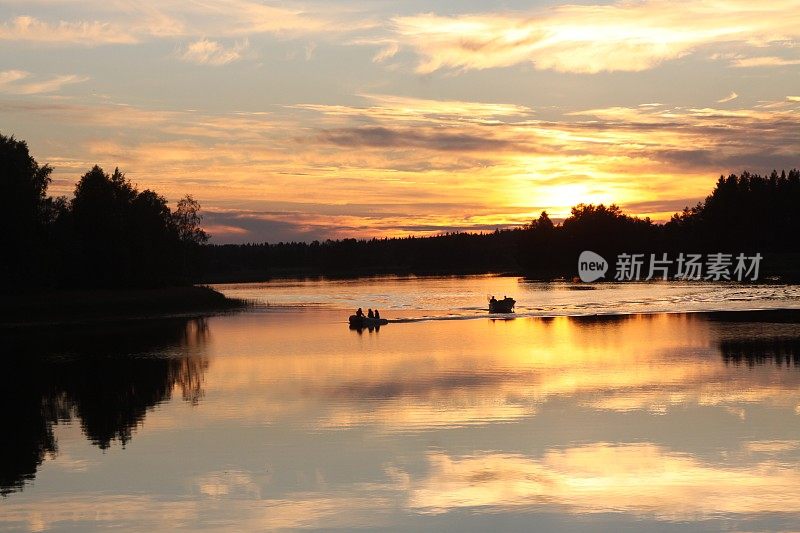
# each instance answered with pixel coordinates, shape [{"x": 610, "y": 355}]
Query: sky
[{"x": 330, "y": 119}]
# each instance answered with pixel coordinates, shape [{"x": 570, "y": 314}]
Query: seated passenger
[
  {"x": 377, "y": 315},
  {"x": 369, "y": 313},
  {"x": 359, "y": 312}
]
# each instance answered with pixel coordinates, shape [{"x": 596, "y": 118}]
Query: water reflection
[
  {"x": 636, "y": 420},
  {"x": 752, "y": 352},
  {"x": 642, "y": 478},
  {"x": 106, "y": 377}
]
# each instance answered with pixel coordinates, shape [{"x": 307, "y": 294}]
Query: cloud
[
  {"x": 730, "y": 97},
  {"x": 52, "y": 85},
  {"x": 310, "y": 48},
  {"x": 206, "y": 52},
  {"x": 10, "y": 82},
  {"x": 244, "y": 17},
  {"x": 10, "y": 76},
  {"x": 763, "y": 61},
  {"x": 407, "y": 109},
  {"x": 387, "y": 52},
  {"x": 83, "y": 33},
  {"x": 136, "y": 22},
  {"x": 622, "y": 36},
  {"x": 224, "y": 232},
  {"x": 243, "y": 226},
  {"x": 383, "y": 137}
]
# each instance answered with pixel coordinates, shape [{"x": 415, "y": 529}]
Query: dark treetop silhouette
[{"x": 108, "y": 235}]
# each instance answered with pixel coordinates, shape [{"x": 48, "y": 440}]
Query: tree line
[
  {"x": 745, "y": 213},
  {"x": 109, "y": 235},
  {"x": 112, "y": 235}
]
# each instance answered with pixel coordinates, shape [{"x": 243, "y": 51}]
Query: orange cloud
[
  {"x": 623, "y": 36},
  {"x": 764, "y": 61},
  {"x": 22, "y": 29},
  {"x": 206, "y": 52}
]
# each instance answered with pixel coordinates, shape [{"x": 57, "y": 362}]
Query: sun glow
[{"x": 559, "y": 199}]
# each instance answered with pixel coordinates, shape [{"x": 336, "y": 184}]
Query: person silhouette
[
  {"x": 370, "y": 313},
  {"x": 377, "y": 314},
  {"x": 359, "y": 312}
]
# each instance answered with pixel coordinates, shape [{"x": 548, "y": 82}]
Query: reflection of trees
[
  {"x": 108, "y": 379},
  {"x": 777, "y": 350},
  {"x": 758, "y": 337},
  {"x": 610, "y": 319}
]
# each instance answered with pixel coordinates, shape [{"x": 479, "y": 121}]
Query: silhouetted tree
[
  {"x": 132, "y": 238},
  {"x": 186, "y": 221},
  {"x": 25, "y": 212},
  {"x": 549, "y": 251},
  {"x": 744, "y": 213},
  {"x": 540, "y": 235},
  {"x": 101, "y": 211},
  {"x": 608, "y": 231}
]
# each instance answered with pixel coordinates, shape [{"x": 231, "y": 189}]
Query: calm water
[{"x": 282, "y": 417}]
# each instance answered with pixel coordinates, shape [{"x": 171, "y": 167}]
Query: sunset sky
[{"x": 325, "y": 119}]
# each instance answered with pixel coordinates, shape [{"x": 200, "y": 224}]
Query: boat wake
[{"x": 580, "y": 314}]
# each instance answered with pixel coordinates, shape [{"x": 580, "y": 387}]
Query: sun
[{"x": 559, "y": 199}]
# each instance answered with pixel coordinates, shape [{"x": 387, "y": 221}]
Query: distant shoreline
[
  {"x": 245, "y": 278},
  {"x": 66, "y": 307},
  {"x": 783, "y": 273},
  {"x": 306, "y": 274}
]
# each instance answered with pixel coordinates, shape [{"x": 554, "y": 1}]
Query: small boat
[
  {"x": 506, "y": 305},
  {"x": 366, "y": 322}
]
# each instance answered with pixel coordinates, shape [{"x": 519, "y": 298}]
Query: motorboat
[
  {"x": 357, "y": 321},
  {"x": 506, "y": 305}
]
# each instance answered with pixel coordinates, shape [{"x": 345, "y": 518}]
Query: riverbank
[{"x": 82, "y": 306}]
